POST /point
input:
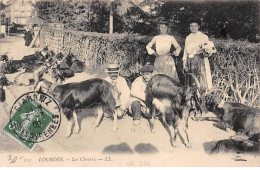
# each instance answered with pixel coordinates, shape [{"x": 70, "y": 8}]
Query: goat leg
[
  {"x": 99, "y": 116},
  {"x": 183, "y": 133},
  {"x": 220, "y": 125},
  {"x": 115, "y": 127},
  {"x": 69, "y": 129},
  {"x": 187, "y": 143},
  {"x": 76, "y": 122},
  {"x": 68, "y": 113},
  {"x": 173, "y": 140},
  {"x": 153, "y": 114}
]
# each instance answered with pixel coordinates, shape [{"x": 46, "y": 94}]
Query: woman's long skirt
[
  {"x": 199, "y": 65},
  {"x": 165, "y": 65}
]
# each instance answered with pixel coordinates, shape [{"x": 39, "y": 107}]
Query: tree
[
  {"x": 2, "y": 5},
  {"x": 220, "y": 19}
]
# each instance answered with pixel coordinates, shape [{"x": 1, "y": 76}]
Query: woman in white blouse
[
  {"x": 164, "y": 62},
  {"x": 193, "y": 59}
]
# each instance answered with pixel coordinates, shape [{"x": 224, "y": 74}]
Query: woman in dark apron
[{"x": 193, "y": 59}]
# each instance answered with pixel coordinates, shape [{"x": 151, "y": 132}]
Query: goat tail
[{"x": 108, "y": 100}]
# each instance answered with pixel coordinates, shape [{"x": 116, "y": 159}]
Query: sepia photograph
[{"x": 130, "y": 83}]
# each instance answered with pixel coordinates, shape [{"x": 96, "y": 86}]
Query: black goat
[{"x": 237, "y": 145}]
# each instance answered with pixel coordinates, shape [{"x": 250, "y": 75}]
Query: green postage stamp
[{"x": 34, "y": 117}]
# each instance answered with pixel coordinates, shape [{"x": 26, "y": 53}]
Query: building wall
[
  {"x": 21, "y": 13},
  {"x": 18, "y": 11}
]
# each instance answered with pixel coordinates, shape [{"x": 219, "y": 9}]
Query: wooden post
[
  {"x": 35, "y": 37},
  {"x": 111, "y": 18},
  {"x": 8, "y": 27}
]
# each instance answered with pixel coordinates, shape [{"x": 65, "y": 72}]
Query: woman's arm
[
  {"x": 150, "y": 45},
  {"x": 185, "y": 55},
  {"x": 203, "y": 39},
  {"x": 176, "y": 46}
]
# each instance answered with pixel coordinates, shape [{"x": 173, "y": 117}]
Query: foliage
[
  {"x": 97, "y": 49},
  {"x": 233, "y": 58},
  {"x": 2, "y": 5},
  {"x": 236, "y": 71},
  {"x": 220, "y": 19}
]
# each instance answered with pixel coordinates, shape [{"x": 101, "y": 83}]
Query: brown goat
[
  {"x": 236, "y": 116},
  {"x": 173, "y": 101}
]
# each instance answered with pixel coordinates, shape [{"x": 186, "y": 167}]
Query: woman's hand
[
  {"x": 185, "y": 69},
  {"x": 155, "y": 54},
  {"x": 176, "y": 53}
]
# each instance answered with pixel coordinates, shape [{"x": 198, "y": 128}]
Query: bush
[
  {"x": 235, "y": 67},
  {"x": 97, "y": 49}
]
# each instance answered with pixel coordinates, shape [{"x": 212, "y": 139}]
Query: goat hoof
[
  {"x": 231, "y": 132},
  {"x": 77, "y": 130},
  {"x": 68, "y": 135},
  {"x": 115, "y": 129},
  {"x": 188, "y": 145},
  {"x": 195, "y": 119},
  {"x": 173, "y": 144},
  {"x": 153, "y": 130},
  {"x": 136, "y": 122}
]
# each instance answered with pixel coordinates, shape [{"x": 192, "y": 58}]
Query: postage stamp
[
  {"x": 129, "y": 83},
  {"x": 34, "y": 117}
]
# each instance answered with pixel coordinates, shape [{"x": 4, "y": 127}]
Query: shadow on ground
[
  {"x": 121, "y": 148},
  {"x": 208, "y": 146},
  {"x": 141, "y": 148},
  {"x": 146, "y": 148}
]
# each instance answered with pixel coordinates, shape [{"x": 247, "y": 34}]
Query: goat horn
[
  {"x": 216, "y": 89},
  {"x": 220, "y": 105},
  {"x": 195, "y": 79},
  {"x": 213, "y": 89}
]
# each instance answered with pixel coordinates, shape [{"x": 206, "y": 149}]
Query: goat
[
  {"x": 74, "y": 97},
  {"x": 173, "y": 101},
  {"x": 77, "y": 66},
  {"x": 236, "y": 116},
  {"x": 237, "y": 144}
]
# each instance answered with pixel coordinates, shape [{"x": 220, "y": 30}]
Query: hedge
[{"x": 239, "y": 58}]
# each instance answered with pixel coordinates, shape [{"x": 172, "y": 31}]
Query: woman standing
[
  {"x": 193, "y": 59},
  {"x": 164, "y": 62}
]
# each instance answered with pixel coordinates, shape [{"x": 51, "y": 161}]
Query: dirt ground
[{"x": 129, "y": 146}]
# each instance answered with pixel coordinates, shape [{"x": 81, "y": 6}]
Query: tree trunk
[{"x": 111, "y": 18}]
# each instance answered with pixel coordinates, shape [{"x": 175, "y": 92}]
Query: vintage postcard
[{"x": 129, "y": 83}]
